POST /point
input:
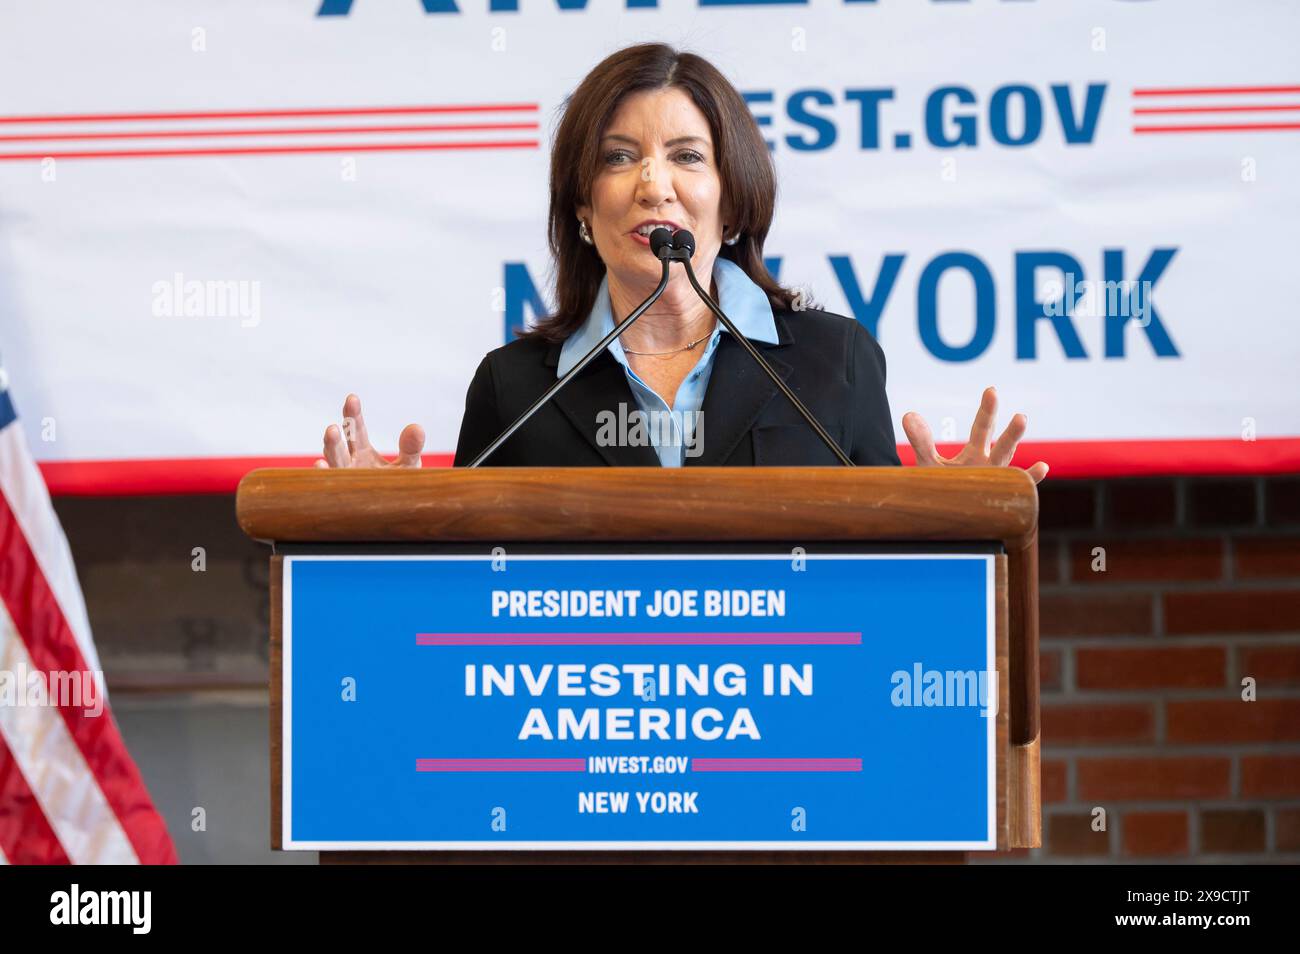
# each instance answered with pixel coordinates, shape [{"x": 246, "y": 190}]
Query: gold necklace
[
  {"x": 690, "y": 346},
  {"x": 655, "y": 354}
]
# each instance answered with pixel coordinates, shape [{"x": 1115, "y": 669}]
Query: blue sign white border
[{"x": 288, "y": 843}]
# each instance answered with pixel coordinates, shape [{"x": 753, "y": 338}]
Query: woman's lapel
[
  {"x": 591, "y": 401},
  {"x": 738, "y": 391}
]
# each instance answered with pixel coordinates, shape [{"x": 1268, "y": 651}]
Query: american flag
[{"x": 69, "y": 791}]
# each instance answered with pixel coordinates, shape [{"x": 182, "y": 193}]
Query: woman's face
[{"x": 657, "y": 165}]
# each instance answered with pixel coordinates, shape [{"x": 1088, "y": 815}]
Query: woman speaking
[{"x": 653, "y": 138}]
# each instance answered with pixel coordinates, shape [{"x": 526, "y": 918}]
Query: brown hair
[{"x": 745, "y": 169}]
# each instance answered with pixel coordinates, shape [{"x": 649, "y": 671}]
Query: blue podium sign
[{"x": 645, "y": 701}]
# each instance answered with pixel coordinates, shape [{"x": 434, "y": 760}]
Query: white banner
[{"x": 216, "y": 220}]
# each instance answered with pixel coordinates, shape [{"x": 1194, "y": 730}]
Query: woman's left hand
[{"x": 977, "y": 452}]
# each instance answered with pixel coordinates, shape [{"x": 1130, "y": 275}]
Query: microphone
[
  {"x": 685, "y": 241},
  {"x": 661, "y": 238},
  {"x": 661, "y": 241}
]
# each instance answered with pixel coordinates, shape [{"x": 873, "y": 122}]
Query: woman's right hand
[{"x": 356, "y": 451}]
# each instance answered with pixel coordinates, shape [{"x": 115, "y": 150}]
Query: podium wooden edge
[
  {"x": 276, "y": 677},
  {"x": 1025, "y": 811},
  {"x": 311, "y": 505}
]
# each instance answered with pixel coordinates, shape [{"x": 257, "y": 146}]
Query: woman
[{"x": 656, "y": 138}]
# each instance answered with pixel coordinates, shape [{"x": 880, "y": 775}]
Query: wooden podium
[{"x": 377, "y": 510}]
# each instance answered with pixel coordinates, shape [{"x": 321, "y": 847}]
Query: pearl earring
[{"x": 583, "y": 232}]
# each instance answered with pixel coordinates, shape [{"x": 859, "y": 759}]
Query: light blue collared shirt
[{"x": 678, "y": 431}]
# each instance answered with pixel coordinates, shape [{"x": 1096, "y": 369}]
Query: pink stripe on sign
[
  {"x": 776, "y": 765},
  {"x": 638, "y": 639},
  {"x": 500, "y": 765}
]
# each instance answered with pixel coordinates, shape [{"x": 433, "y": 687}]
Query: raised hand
[
  {"x": 977, "y": 452},
  {"x": 356, "y": 450}
]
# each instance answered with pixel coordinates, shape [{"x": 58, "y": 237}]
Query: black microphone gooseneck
[
  {"x": 684, "y": 242},
  {"x": 661, "y": 245}
]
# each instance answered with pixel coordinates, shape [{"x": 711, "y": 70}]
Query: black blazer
[{"x": 832, "y": 362}]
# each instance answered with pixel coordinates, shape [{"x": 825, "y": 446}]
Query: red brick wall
[{"x": 1142, "y": 669}]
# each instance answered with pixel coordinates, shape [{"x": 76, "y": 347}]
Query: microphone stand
[
  {"x": 583, "y": 362},
  {"x": 669, "y": 247},
  {"x": 687, "y": 240}
]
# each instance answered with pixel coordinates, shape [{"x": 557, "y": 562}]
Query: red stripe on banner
[
  {"x": 275, "y": 113},
  {"x": 268, "y": 150},
  {"x": 267, "y": 131},
  {"x": 1074, "y": 459},
  {"x": 1163, "y": 110},
  {"x": 1215, "y": 90},
  {"x": 199, "y": 475},
  {"x": 26, "y": 837},
  {"x": 52, "y": 647},
  {"x": 1255, "y": 127},
  {"x": 1153, "y": 458}
]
